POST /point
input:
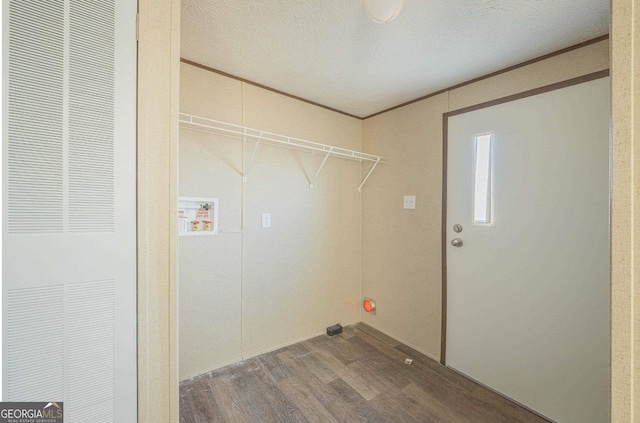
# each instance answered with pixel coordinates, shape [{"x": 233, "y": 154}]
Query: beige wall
[
  {"x": 158, "y": 83},
  {"x": 250, "y": 289},
  {"x": 625, "y": 228},
  {"x": 402, "y": 248},
  {"x": 210, "y": 271}
]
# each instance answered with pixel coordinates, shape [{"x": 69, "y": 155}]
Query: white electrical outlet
[
  {"x": 266, "y": 220},
  {"x": 409, "y": 201}
]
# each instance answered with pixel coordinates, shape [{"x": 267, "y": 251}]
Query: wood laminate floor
[{"x": 357, "y": 376}]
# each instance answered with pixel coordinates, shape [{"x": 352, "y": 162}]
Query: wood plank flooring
[{"x": 357, "y": 376}]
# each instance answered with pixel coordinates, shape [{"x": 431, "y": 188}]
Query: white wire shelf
[{"x": 202, "y": 124}]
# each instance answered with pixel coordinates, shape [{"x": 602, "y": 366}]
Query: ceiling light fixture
[{"x": 382, "y": 11}]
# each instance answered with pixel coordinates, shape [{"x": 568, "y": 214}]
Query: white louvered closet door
[{"x": 69, "y": 217}]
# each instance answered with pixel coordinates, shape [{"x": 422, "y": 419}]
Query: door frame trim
[
  {"x": 445, "y": 143},
  {"x": 158, "y": 83}
]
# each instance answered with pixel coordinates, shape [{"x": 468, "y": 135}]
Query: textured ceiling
[{"x": 329, "y": 52}]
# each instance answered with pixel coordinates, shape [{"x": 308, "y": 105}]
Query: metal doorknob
[{"x": 456, "y": 242}]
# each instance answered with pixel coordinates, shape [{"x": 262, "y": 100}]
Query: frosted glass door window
[{"x": 482, "y": 181}]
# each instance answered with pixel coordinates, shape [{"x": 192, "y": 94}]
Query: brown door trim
[{"x": 445, "y": 141}]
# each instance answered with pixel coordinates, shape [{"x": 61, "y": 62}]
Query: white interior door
[
  {"x": 528, "y": 289},
  {"x": 69, "y": 216}
]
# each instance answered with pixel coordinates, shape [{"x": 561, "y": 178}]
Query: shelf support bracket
[
  {"x": 313, "y": 180},
  {"x": 253, "y": 156},
  {"x": 368, "y": 174}
]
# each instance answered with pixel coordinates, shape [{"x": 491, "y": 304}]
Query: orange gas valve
[{"x": 369, "y": 305}]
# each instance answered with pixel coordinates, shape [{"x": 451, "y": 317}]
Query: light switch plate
[
  {"x": 266, "y": 220},
  {"x": 409, "y": 201}
]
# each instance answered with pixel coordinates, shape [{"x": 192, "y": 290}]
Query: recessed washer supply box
[{"x": 197, "y": 216}]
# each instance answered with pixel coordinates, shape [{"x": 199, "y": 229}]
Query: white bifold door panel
[
  {"x": 528, "y": 267},
  {"x": 69, "y": 216}
]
